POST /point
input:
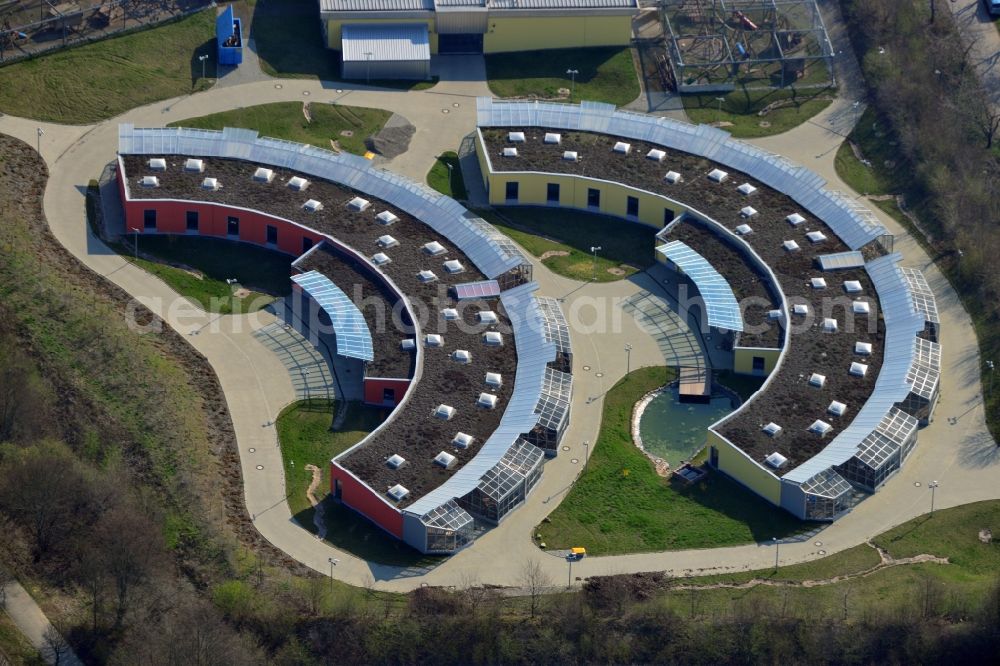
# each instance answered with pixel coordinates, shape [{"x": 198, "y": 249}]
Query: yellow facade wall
[
  {"x": 743, "y": 360},
  {"x": 736, "y": 464},
  {"x": 333, "y": 27},
  {"x": 558, "y": 32}
]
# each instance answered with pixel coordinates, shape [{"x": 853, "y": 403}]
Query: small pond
[{"x": 675, "y": 431}]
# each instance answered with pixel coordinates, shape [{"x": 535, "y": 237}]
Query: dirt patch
[
  {"x": 548, "y": 254},
  {"x": 615, "y": 270},
  {"x": 306, "y": 112}
]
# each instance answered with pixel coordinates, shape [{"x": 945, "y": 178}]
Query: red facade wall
[
  {"x": 374, "y": 390},
  {"x": 365, "y": 501}
]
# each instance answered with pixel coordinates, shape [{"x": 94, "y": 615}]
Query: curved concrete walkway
[
  {"x": 30, "y": 619},
  {"x": 956, "y": 449}
]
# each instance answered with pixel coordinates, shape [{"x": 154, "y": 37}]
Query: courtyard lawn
[
  {"x": 450, "y": 183},
  {"x": 198, "y": 267},
  {"x": 606, "y": 74},
  {"x": 349, "y": 126},
  {"x": 870, "y": 139},
  {"x": 741, "y": 108},
  {"x": 620, "y": 505},
  {"x": 564, "y": 238},
  {"x": 86, "y": 84}
]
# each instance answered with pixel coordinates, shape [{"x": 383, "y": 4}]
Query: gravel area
[
  {"x": 414, "y": 432},
  {"x": 788, "y": 400}
]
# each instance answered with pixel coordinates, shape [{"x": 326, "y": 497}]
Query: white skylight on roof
[
  {"x": 380, "y": 259},
  {"x": 510, "y": 151},
  {"x": 837, "y": 408},
  {"x": 387, "y": 241},
  {"x": 800, "y": 309},
  {"x": 262, "y": 175},
  {"x": 444, "y": 459},
  {"x": 433, "y": 248},
  {"x": 312, "y": 205},
  {"x": 453, "y": 266},
  {"x": 357, "y": 204},
  {"x": 862, "y": 348},
  {"x": 386, "y": 218},
  {"x": 790, "y": 245},
  {"x": 816, "y": 236},
  {"x": 672, "y": 177},
  {"x": 462, "y": 440},
  {"x": 748, "y": 211},
  {"x": 494, "y": 379},
  {"x": 444, "y": 411},
  {"x": 858, "y": 369},
  {"x": 774, "y": 314},
  {"x": 158, "y": 164},
  {"x": 772, "y": 429},
  {"x": 297, "y": 183},
  {"x": 718, "y": 175},
  {"x": 656, "y": 155},
  {"x": 860, "y": 307},
  {"x": 817, "y": 380},
  {"x": 795, "y": 219},
  {"x": 744, "y": 229},
  {"x": 818, "y": 283},
  {"x": 776, "y": 460},
  {"x": 194, "y": 165},
  {"x": 408, "y": 344},
  {"x": 433, "y": 340},
  {"x": 622, "y": 147},
  {"x": 492, "y": 339},
  {"x": 852, "y": 286},
  {"x": 150, "y": 181},
  {"x": 461, "y": 356},
  {"x": 515, "y": 137},
  {"x": 450, "y": 314},
  {"x": 830, "y": 325},
  {"x": 487, "y": 400},
  {"x": 570, "y": 155},
  {"x": 746, "y": 188},
  {"x": 552, "y": 137},
  {"x": 820, "y": 428},
  {"x": 487, "y": 317},
  {"x": 398, "y": 492},
  {"x": 395, "y": 461},
  {"x": 210, "y": 184},
  {"x": 427, "y": 276}
]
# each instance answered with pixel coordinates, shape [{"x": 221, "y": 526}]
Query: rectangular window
[
  {"x": 389, "y": 395},
  {"x": 511, "y": 193},
  {"x": 192, "y": 220},
  {"x": 307, "y": 243},
  {"x": 632, "y": 207},
  {"x": 149, "y": 219},
  {"x": 272, "y": 235},
  {"x": 593, "y": 197},
  {"x": 668, "y": 216},
  {"x": 552, "y": 193},
  {"x": 232, "y": 226},
  {"x": 758, "y": 364}
]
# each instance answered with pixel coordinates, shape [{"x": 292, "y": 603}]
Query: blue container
[{"x": 229, "y": 36}]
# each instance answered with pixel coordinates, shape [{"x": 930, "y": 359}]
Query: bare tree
[
  {"x": 5, "y": 579},
  {"x": 56, "y": 647},
  {"x": 535, "y": 581},
  {"x": 129, "y": 545}
]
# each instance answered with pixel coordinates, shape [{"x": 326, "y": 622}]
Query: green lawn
[
  {"x": 606, "y": 74},
  {"x": 620, "y": 505},
  {"x": 89, "y": 83},
  {"x": 15, "y": 646},
  {"x": 871, "y": 139},
  {"x": 286, "y": 120},
  {"x": 626, "y": 247},
  {"x": 741, "y": 108},
  {"x": 854, "y": 560},
  {"x": 450, "y": 183},
  {"x": 211, "y": 262}
]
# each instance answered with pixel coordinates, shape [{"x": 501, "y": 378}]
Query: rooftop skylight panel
[
  {"x": 433, "y": 248},
  {"x": 385, "y": 218},
  {"x": 297, "y": 183},
  {"x": 817, "y": 380},
  {"x": 150, "y": 181},
  {"x": 776, "y": 460},
  {"x": 487, "y": 401},
  {"x": 357, "y": 204},
  {"x": 772, "y": 429},
  {"x": 656, "y": 155},
  {"x": 395, "y": 461},
  {"x": 510, "y": 151},
  {"x": 444, "y": 412},
  {"x": 746, "y": 189},
  {"x": 790, "y": 245},
  {"x": 748, "y": 211},
  {"x": 795, "y": 219},
  {"x": 836, "y": 408},
  {"x": 774, "y": 314},
  {"x": 408, "y": 344},
  {"x": 515, "y": 137},
  {"x": 829, "y": 325},
  {"x": 862, "y": 348},
  {"x": 672, "y": 177},
  {"x": 858, "y": 369},
  {"x": 816, "y": 236},
  {"x": 157, "y": 164},
  {"x": 380, "y": 259},
  {"x": 433, "y": 340},
  {"x": 193, "y": 165},
  {"x": 487, "y": 317},
  {"x": 398, "y": 492},
  {"x": 444, "y": 459},
  {"x": 800, "y": 309},
  {"x": 494, "y": 379},
  {"x": 744, "y": 229},
  {"x": 450, "y": 314},
  {"x": 817, "y": 283},
  {"x": 462, "y": 440},
  {"x": 820, "y": 427},
  {"x": 427, "y": 276},
  {"x": 262, "y": 175},
  {"x": 461, "y": 356},
  {"x": 312, "y": 205},
  {"x": 552, "y": 137},
  {"x": 492, "y": 339},
  {"x": 570, "y": 156},
  {"x": 717, "y": 175},
  {"x": 860, "y": 307},
  {"x": 622, "y": 147},
  {"x": 852, "y": 286},
  {"x": 212, "y": 184},
  {"x": 453, "y": 266},
  {"x": 387, "y": 241}
]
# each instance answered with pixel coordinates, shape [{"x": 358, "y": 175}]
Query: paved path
[
  {"x": 978, "y": 30},
  {"x": 32, "y": 622},
  {"x": 955, "y": 449}
]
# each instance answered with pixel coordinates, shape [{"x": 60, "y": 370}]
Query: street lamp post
[
  {"x": 594, "y": 249},
  {"x": 989, "y": 386},
  {"x": 628, "y": 359},
  {"x": 569, "y": 579},
  {"x": 333, "y": 562},
  {"x": 40, "y": 132},
  {"x": 777, "y": 548},
  {"x": 368, "y": 67},
  {"x": 586, "y": 454},
  {"x": 720, "y": 100},
  {"x": 203, "y": 58},
  {"x": 933, "y": 486},
  {"x": 572, "y": 82},
  {"x": 135, "y": 232},
  {"x": 451, "y": 177}
]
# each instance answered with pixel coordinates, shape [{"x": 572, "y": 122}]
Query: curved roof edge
[{"x": 720, "y": 302}]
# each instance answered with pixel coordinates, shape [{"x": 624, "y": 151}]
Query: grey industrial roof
[
  {"x": 430, "y": 5},
  {"x": 720, "y": 303},
  {"x": 561, "y": 4},
  {"x": 375, "y": 5},
  {"x": 354, "y": 340},
  {"x": 384, "y": 43}
]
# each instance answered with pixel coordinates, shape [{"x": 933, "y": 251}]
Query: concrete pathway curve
[{"x": 32, "y": 622}]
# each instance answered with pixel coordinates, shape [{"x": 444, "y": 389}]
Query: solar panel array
[
  {"x": 441, "y": 213},
  {"x": 481, "y": 289},
  {"x": 923, "y": 297},
  {"x": 353, "y": 338},
  {"x": 720, "y": 303},
  {"x": 840, "y": 261},
  {"x": 855, "y": 225}
]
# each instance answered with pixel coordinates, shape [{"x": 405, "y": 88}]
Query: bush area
[
  {"x": 756, "y": 113},
  {"x": 564, "y": 237},
  {"x": 606, "y": 74},
  {"x": 941, "y": 131},
  {"x": 89, "y": 83},
  {"x": 349, "y": 126},
  {"x": 447, "y": 181},
  {"x": 620, "y": 505}
]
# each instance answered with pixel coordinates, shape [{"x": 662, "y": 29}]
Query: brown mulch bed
[{"x": 788, "y": 400}]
